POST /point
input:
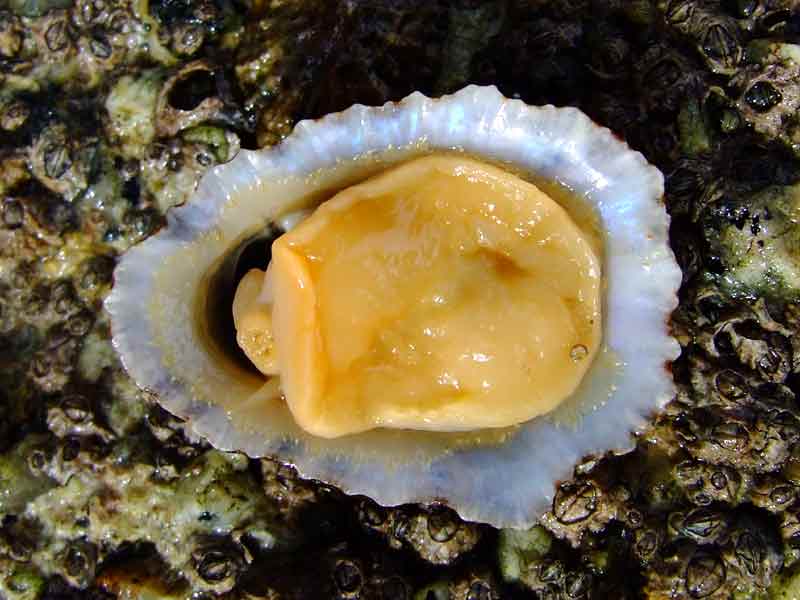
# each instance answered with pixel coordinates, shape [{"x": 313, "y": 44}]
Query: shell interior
[{"x": 160, "y": 302}]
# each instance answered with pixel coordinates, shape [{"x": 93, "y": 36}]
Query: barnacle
[
  {"x": 768, "y": 99},
  {"x": 142, "y": 577},
  {"x": 474, "y": 585},
  {"x": 220, "y": 489},
  {"x": 533, "y": 560},
  {"x": 705, "y": 568},
  {"x": 436, "y": 534},
  {"x": 10, "y": 35},
  {"x": 170, "y": 171},
  {"x": 62, "y": 164},
  {"x": 131, "y": 106},
  {"x": 193, "y": 89}
]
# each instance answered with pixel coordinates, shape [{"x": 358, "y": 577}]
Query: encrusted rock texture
[{"x": 110, "y": 112}]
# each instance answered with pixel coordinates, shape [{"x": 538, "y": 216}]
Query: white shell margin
[{"x": 509, "y": 485}]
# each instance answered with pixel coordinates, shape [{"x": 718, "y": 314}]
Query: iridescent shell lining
[{"x": 160, "y": 289}]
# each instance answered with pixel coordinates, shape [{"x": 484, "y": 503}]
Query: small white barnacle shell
[{"x": 172, "y": 302}]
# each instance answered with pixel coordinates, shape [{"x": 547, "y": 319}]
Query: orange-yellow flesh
[
  {"x": 443, "y": 294},
  {"x": 252, "y": 319}
]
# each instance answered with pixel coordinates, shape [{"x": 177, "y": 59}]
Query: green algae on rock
[{"x": 758, "y": 242}]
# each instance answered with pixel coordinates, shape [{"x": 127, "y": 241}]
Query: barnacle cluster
[{"x": 110, "y": 111}]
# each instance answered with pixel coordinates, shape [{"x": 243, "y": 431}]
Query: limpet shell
[{"x": 507, "y": 479}]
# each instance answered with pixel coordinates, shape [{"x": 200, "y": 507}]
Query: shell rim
[{"x": 249, "y": 158}]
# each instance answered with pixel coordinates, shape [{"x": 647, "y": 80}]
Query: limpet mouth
[{"x": 160, "y": 302}]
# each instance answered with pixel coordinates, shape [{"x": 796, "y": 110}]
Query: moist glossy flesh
[{"x": 444, "y": 294}]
